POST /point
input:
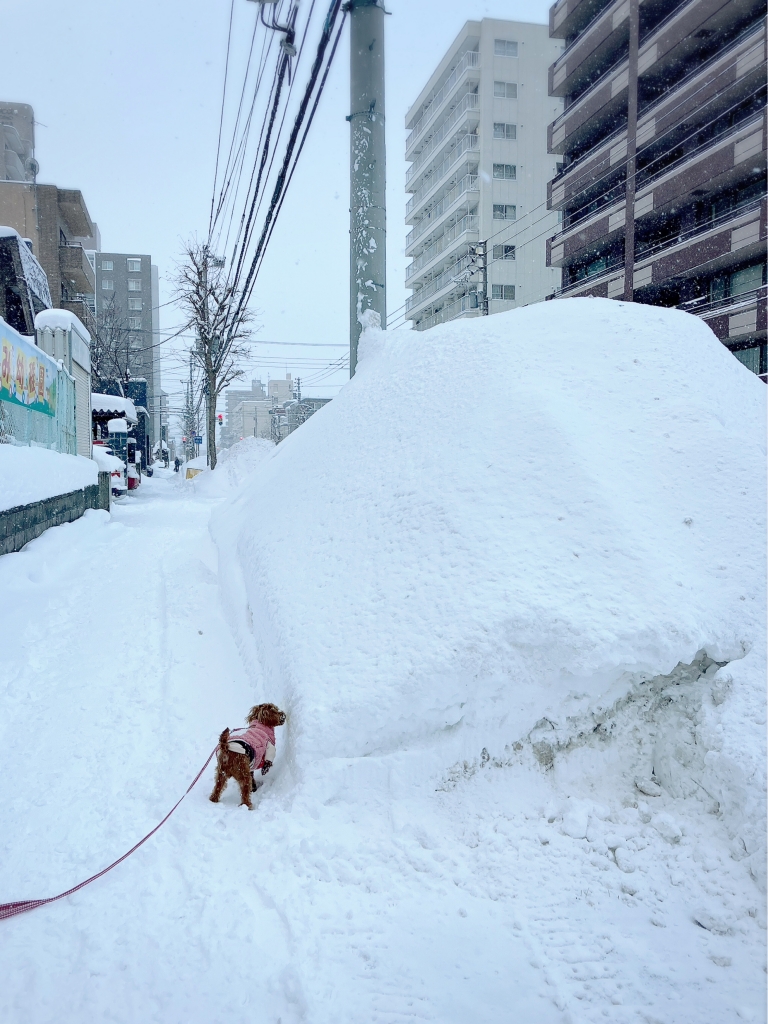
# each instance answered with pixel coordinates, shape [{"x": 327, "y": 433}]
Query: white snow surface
[
  {"x": 63, "y": 320},
  {"x": 107, "y": 463},
  {"x": 234, "y": 466},
  {"x": 31, "y": 474},
  {"x": 518, "y": 781},
  {"x": 114, "y": 403}
]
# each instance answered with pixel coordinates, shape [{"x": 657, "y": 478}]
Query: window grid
[
  {"x": 134, "y": 266},
  {"x": 134, "y": 323},
  {"x": 504, "y": 48},
  {"x": 503, "y": 252},
  {"x": 107, "y": 265},
  {"x": 504, "y": 131},
  {"x": 505, "y": 90},
  {"x": 504, "y": 211},
  {"x": 135, "y": 304},
  {"x": 134, "y": 286},
  {"x": 506, "y": 171},
  {"x": 107, "y": 285},
  {"x": 506, "y": 292}
]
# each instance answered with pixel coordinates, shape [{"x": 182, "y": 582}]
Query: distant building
[
  {"x": 477, "y": 149},
  {"x": 54, "y": 220},
  {"x": 127, "y": 284},
  {"x": 62, "y": 336},
  {"x": 697, "y": 202},
  {"x": 252, "y": 419},
  {"x": 231, "y": 430},
  {"x": 290, "y": 415}
]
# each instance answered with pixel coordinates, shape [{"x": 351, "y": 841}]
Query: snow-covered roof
[
  {"x": 117, "y": 426},
  {"x": 62, "y": 319},
  {"x": 116, "y": 405}
]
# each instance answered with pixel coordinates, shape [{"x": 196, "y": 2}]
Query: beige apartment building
[
  {"x": 479, "y": 167},
  {"x": 54, "y": 220}
]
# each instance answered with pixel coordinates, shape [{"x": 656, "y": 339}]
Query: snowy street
[{"x": 542, "y": 880}]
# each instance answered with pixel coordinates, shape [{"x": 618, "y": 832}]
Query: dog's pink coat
[{"x": 258, "y": 736}]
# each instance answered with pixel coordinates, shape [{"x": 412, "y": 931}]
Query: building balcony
[
  {"x": 737, "y": 237},
  {"x": 737, "y": 319},
  {"x": 675, "y": 47},
  {"x": 711, "y": 89},
  {"x": 75, "y": 268},
  {"x": 440, "y": 213},
  {"x": 462, "y": 306},
  {"x": 463, "y": 120},
  {"x": 435, "y": 173},
  {"x": 600, "y": 44},
  {"x": 569, "y": 18},
  {"x": 732, "y": 161},
  {"x": 444, "y": 282},
  {"x": 467, "y": 70},
  {"x": 433, "y": 191},
  {"x": 463, "y": 232}
]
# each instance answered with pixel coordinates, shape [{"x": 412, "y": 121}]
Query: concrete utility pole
[
  {"x": 368, "y": 178},
  {"x": 629, "y": 193}
]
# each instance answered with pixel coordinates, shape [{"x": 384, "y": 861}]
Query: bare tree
[
  {"x": 111, "y": 347},
  {"x": 209, "y": 305}
]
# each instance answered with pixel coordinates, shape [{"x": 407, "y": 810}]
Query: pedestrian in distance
[{"x": 176, "y": 464}]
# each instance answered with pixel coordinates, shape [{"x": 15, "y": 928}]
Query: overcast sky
[{"x": 127, "y": 98}]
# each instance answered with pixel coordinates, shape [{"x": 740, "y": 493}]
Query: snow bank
[
  {"x": 233, "y": 467},
  {"x": 31, "y": 474},
  {"x": 107, "y": 463},
  {"x": 511, "y": 514}
]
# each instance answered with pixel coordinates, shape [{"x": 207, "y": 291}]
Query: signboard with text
[{"x": 27, "y": 374}]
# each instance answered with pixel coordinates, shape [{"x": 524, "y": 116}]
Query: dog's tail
[{"x": 223, "y": 740}]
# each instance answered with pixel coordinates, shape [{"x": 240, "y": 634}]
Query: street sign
[{"x": 198, "y": 440}]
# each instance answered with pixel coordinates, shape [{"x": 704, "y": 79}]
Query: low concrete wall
[{"x": 20, "y": 525}]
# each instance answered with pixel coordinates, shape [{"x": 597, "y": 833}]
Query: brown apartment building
[
  {"x": 663, "y": 143},
  {"x": 54, "y": 220}
]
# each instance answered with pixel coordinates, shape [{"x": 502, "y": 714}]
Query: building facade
[
  {"x": 126, "y": 300},
  {"x": 663, "y": 149},
  {"x": 479, "y": 164}
]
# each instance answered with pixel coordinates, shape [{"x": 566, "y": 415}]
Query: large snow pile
[
  {"x": 233, "y": 466},
  {"x": 31, "y": 474},
  {"x": 517, "y": 553}
]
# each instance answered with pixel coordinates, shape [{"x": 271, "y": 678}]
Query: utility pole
[
  {"x": 367, "y": 185},
  {"x": 629, "y": 194}
]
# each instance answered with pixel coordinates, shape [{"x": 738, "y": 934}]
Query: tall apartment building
[
  {"x": 477, "y": 148},
  {"x": 664, "y": 133},
  {"x": 128, "y": 284},
  {"x": 55, "y": 221}
]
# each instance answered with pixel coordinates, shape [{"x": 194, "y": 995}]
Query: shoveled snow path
[{"x": 352, "y": 897}]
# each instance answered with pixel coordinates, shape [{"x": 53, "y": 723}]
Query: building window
[
  {"x": 503, "y": 252},
  {"x": 134, "y": 286},
  {"x": 134, "y": 323},
  {"x": 107, "y": 285},
  {"x": 505, "y": 90},
  {"x": 507, "y": 171},
  {"x": 502, "y": 211},
  {"x": 134, "y": 266},
  {"x": 107, "y": 265},
  {"x": 503, "y": 291},
  {"x": 134, "y": 304},
  {"x": 750, "y": 357},
  {"x": 504, "y": 48},
  {"x": 504, "y": 131}
]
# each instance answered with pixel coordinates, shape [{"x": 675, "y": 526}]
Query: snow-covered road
[{"x": 496, "y": 898}]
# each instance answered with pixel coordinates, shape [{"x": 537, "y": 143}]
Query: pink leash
[{"x": 9, "y": 909}]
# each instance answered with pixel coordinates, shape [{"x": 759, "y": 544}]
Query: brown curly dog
[{"x": 250, "y": 749}]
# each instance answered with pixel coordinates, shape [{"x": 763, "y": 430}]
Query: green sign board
[{"x": 27, "y": 374}]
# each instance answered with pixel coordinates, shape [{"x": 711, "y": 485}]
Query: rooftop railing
[{"x": 471, "y": 59}]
